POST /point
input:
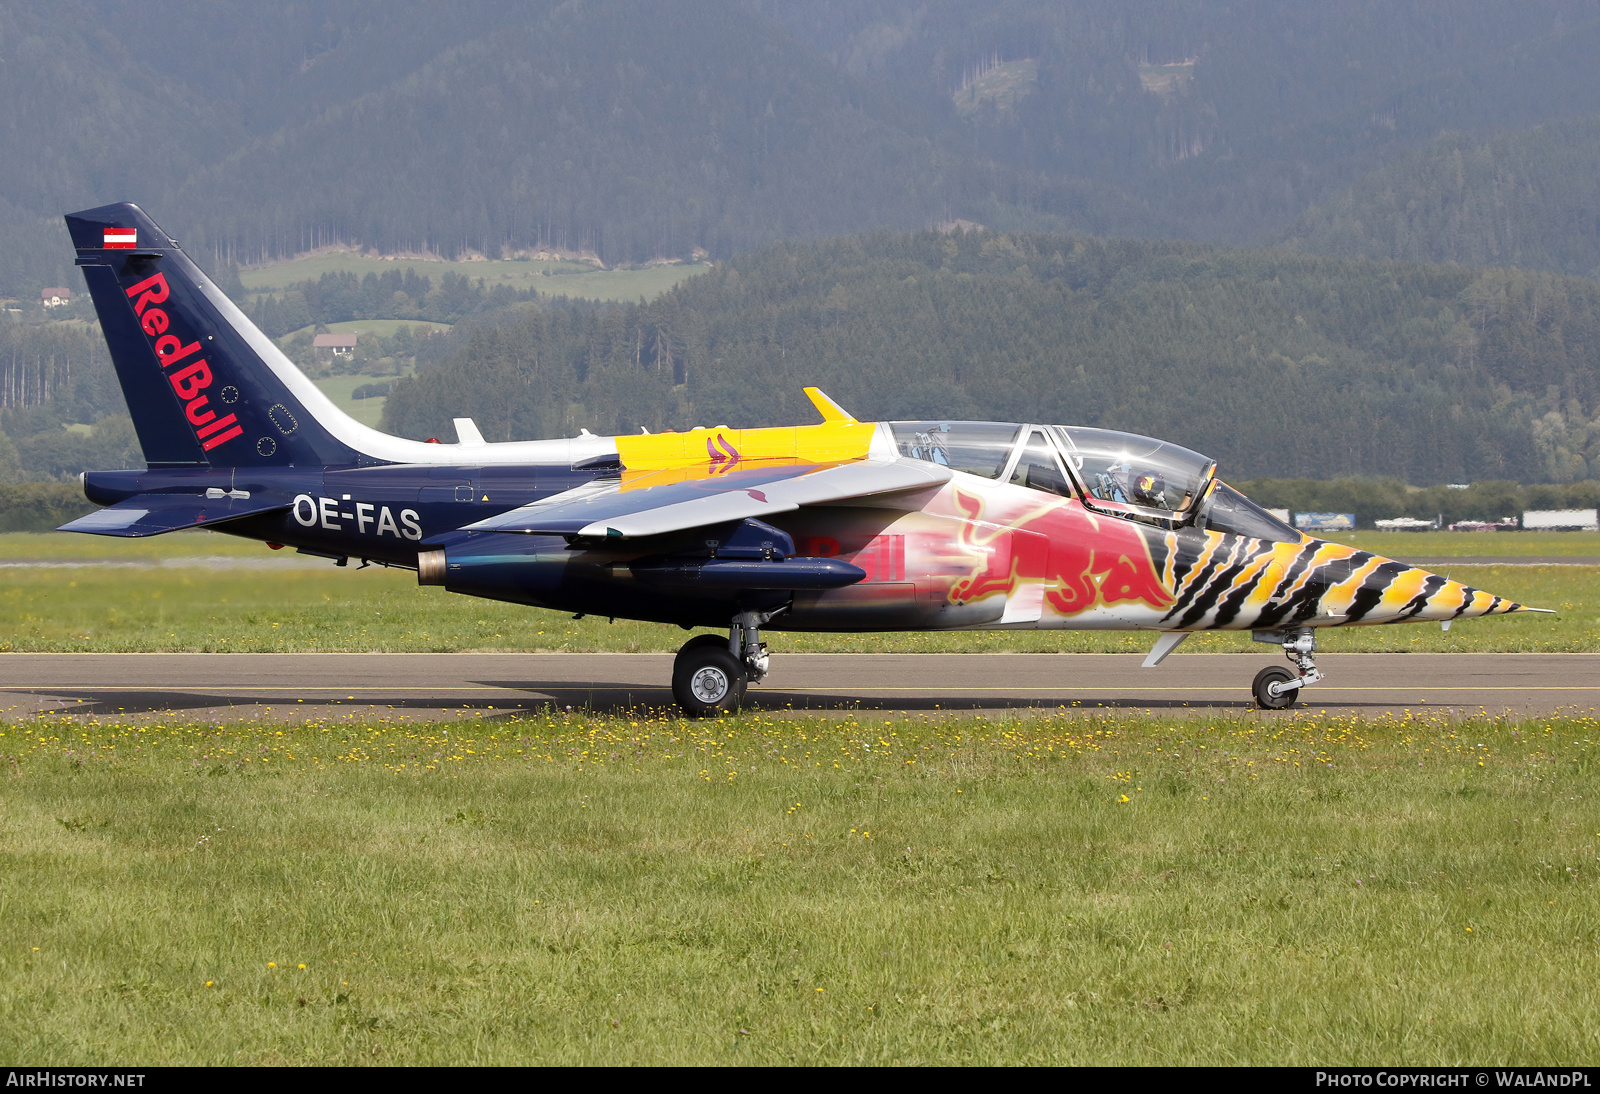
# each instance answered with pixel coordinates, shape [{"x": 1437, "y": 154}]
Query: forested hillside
[
  {"x": 56, "y": 375},
  {"x": 1279, "y": 365},
  {"x": 637, "y": 129},
  {"x": 1529, "y": 199}
]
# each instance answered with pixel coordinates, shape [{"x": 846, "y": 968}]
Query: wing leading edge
[{"x": 654, "y": 504}]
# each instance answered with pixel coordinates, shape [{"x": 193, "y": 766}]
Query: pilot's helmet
[{"x": 1150, "y": 488}]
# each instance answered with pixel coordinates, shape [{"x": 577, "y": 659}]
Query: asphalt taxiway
[{"x": 305, "y": 686}]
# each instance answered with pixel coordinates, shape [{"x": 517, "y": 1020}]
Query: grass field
[
  {"x": 1481, "y": 544},
  {"x": 174, "y": 607},
  {"x": 1253, "y": 890},
  {"x": 573, "y": 279}
]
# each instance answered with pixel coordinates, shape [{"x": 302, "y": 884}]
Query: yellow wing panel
[{"x": 830, "y": 442}]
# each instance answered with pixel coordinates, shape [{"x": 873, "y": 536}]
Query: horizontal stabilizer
[
  {"x": 153, "y": 514},
  {"x": 637, "y": 508}
]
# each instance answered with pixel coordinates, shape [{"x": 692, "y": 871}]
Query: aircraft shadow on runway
[
  {"x": 96, "y": 702},
  {"x": 600, "y": 697}
]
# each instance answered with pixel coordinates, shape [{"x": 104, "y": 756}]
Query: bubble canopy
[
  {"x": 978, "y": 448},
  {"x": 1117, "y": 469},
  {"x": 1115, "y": 472}
]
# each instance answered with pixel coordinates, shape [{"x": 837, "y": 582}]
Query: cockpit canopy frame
[
  {"x": 1128, "y": 475},
  {"x": 1119, "y": 474}
]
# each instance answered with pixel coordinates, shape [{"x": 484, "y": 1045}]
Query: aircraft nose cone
[
  {"x": 1454, "y": 600},
  {"x": 1383, "y": 590}
]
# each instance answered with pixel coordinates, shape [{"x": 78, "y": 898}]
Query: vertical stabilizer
[{"x": 204, "y": 385}]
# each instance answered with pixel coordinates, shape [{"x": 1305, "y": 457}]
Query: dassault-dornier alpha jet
[{"x": 840, "y": 526}]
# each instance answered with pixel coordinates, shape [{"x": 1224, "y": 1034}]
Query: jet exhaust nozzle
[{"x": 430, "y": 567}]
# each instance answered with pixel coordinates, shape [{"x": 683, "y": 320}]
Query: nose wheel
[
  {"x": 1277, "y": 688},
  {"x": 1269, "y": 691}
]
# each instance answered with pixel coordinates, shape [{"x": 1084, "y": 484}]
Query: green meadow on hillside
[
  {"x": 341, "y": 389},
  {"x": 575, "y": 279},
  {"x": 384, "y": 328}
]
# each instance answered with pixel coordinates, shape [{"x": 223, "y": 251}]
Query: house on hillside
[
  {"x": 55, "y": 298},
  {"x": 342, "y": 345}
]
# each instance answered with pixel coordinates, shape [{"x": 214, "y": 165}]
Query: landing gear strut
[
  {"x": 744, "y": 642},
  {"x": 1276, "y": 688},
  {"x": 710, "y": 674}
]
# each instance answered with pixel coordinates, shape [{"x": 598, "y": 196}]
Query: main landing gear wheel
[
  {"x": 1265, "y": 689},
  {"x": 707, "y": 678}
]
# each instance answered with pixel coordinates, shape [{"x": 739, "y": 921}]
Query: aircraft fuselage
[{"x": 969, "y": 554}]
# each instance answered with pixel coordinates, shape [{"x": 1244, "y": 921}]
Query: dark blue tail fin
[{"x": 204, "y": 385}]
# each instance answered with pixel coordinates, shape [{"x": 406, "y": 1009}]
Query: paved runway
[{"x": 432, "y": 686}]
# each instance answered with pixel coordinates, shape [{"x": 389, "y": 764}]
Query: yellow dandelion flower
[{"x": 272, "y": 964}]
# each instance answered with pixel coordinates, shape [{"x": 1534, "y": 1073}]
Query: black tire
[
  {"x": 706, "y": 679},
  {"x": 1273, "y": 674}
]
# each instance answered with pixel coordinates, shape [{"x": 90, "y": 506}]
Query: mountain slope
[
  {"x": 1528, "y": 199},
  {"x": 1225, "y": 118},
  {"x": 634, "y": 130},
  {"x": 644, "y": 129}
]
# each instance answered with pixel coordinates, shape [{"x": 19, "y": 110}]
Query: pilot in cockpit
[
  {"x": 1119, "y": 482},
  {"x": 1150, "y": 489}
]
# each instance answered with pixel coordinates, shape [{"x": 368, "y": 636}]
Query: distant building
[
  {"x": 341, "y": 344},
  {"x": 54, "y": 298},
  {"x": 1505, "y": 524},
  {"x": 1561, "y": 520},
  {"x": 1325, "y": 522}
]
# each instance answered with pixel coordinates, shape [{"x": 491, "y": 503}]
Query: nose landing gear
[
  {"x": 1275, "y": 687},
  {"x": 710, "y": 674}
]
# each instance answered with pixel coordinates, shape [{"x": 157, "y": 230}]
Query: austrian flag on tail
[{"x": 122, "y": 238}]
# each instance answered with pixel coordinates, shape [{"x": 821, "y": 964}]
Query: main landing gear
[
  {"x": 1275, "y": 687},
  {"x": 711, "y": 673}
]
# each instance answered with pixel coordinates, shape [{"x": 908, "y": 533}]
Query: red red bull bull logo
[
  {"x": 188, "y": 382},
  {"x": 1084, "y": 561}
]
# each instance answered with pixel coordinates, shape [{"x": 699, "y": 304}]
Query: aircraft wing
[
  {"x": 153, "y": 514},
  {"x": 664, "y": 502}
]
